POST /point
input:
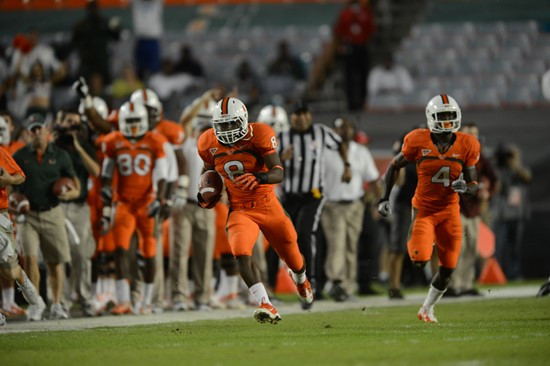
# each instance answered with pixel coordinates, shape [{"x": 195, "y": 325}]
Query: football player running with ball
[
  {"x": 245, "y": 155},
  {"x": 445, "y": 162}
]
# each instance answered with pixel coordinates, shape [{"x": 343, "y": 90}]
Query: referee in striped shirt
[{"x": 302, "y": 149}]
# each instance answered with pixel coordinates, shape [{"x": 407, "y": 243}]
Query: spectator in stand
[
  {"x": 342, "y": 217},
  {"x": 511, "y": 208},
  {"x": 44, "y": 226},
  {"x": 188, "y": 64},
  {"x": 463, "y": 279},
  {"x": 148, "y": 30},
  {"x": 167, "y": 82},
  {"x": 285, "y": 64},
  {"x": 33, "y": 69},
  {"x": 91, "y": 37},
  {"x": 389, "y": 79},
  {"x": 353, "y": 31},
  {"x": 124, "y": 86},
  {"x": 248, "y": 84}
]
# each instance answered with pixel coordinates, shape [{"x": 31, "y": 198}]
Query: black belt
[{"x": 44, "y": 208}]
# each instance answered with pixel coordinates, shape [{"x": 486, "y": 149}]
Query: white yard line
[{"x": 284, "y": 309}]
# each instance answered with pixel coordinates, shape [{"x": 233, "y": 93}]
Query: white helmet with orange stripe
[
  {"x": 99, "y": 105},
  {"x": 230, "y": 120},
  {"x": 133, "y": 121},
  {"x": 274, "y": 116},
  {"x": 151, "y": 101},
  {"x": 443, "y": 114}
]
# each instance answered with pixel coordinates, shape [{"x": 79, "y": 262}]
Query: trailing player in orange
[
  {"x": 445, "y": 163},
  {"x": 245, "y": 156},
  {"x": 138, "y": 157}
]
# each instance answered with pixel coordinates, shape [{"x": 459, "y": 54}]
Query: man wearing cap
[
  {"x": 342, "y": 217},
  {"x": 302, "y": 150},
  {"x": 43, "y": 164}
]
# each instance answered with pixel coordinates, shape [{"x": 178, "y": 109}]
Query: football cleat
[
  {"x": 34, "y": 312},
  {"x": 121, "y": 309},
  {"x": 427, "y": 315},
  {"x": 57, "y": 312},
  {"x": 267, "y": 313},
  {"x": 304, "y": 292},
  {"x": 13, "y": 310}
]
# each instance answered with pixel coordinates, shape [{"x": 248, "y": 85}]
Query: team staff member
[
  {"x": 72, "y": 136},
  {"x": 44, "y": 163},
  {"x": 445, "y": 164}
]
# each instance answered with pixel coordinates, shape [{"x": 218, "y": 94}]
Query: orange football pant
[
  {"x": 128, "y": 217},
  {"x": 221, "y": 243},
  {"x": 266, "y": 214},
  {"x": 442, "y": 227}
]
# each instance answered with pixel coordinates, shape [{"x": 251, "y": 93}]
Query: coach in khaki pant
[
  {"x": 342, "y": 217},
  {"x": 44, "y": 226}
]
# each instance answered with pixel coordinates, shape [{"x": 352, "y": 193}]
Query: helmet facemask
[{"x": 230, "y": 129}]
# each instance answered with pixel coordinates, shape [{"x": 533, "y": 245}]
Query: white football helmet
[
  {"x": 150, "y": 100},
  {"x": 203, "y": 119},
  {"x": 230, "y": 120},
  {"x": 99, "y": 105},
  {"x": 274, "y": 116},
  {"x": 443, "y": 114},
  {"x": 133, "y": 120},
  {"x": 4, "y": 132}
]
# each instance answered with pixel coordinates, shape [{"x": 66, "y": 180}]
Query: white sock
[
  {"x": 299, "y": 278},
  {"x": 110, "y": 287},
  {"x": 123, "y": 291},
  {"x": 28, "y": 290},
  {"x": 148, "y": 294},
  {"x": 99, "y": 287},
  {"x": 8, "y": 297},
  {"x": 222, "y": 287},
  {"x": 433, "y": 296},
  {"x": 259, "y": 293},
  {"x": 232, "y": 284}
]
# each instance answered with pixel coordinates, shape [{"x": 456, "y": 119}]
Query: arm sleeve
[
  {"x": 9, "y": 164},
  {"x": 370, "y": 171},
  {"x": 409, "y": 148},
  {"x": 332, "y": 140},
  {"x": 203, "y": 149},
  {"x": 172, "y": 164},
  {"x": 266, "y": 142},
  {"x": 473, "y": 153}
]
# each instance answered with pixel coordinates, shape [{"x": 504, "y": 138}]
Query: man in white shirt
[
  {"x": 389, "y": 78},
  {"x": 342, "y": 217}
]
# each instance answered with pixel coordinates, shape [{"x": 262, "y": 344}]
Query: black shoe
[
  {"x": 338, "y": 293},
  {"x": 318, "y": 296},
  {"x": 367, "y": 290},
  {"x": 451, "y": 292},
  {"x": 395, "y": 294},
  {"x": 544, "y": 289},
  {"x": 471, "y": 292}
]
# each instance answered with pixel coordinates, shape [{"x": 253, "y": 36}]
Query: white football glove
[
  {"x": 384, "y": 208},
  {"x": 459, "y": 185}
]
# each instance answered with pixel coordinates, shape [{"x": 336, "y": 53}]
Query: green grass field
[{"x": 493, "y": 332}]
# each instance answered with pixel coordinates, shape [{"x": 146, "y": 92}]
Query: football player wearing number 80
[
  {"x": 245, "y": 155},
  {"x": 138, "y": 157},
  {"x": 445, "y": 162}
]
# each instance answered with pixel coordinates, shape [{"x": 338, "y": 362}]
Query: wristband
[
  {"x": 106, "y": 212},
  {"x": 88, "y": 102},
  {"x": 262, "y": 177}
]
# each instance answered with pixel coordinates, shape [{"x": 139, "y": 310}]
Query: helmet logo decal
[
  {"x": 444, "y": 98},
  {"x": 225, "y": 103}
]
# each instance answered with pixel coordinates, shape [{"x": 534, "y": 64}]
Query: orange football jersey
[
  {"x": 10, "y": 166},
  {"x": 437, "y": 171},
  {"x": 134, "y": 163},
  {"x": 245, "y": 156},
  {"x": 172, "y": 131}
]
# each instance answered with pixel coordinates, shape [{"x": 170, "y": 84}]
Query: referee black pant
[{"x": 305, "y": 213}]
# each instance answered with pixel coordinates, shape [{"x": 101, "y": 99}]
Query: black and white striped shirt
[{"x": 305, "y": 171}]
